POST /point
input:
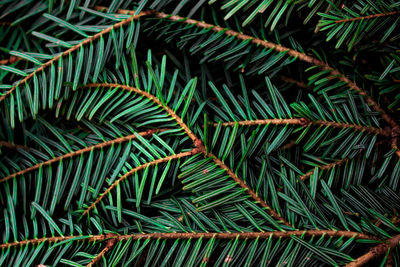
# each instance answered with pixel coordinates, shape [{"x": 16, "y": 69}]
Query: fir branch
[
  {"x": 324, "y": 167},
  {"x": 72, "y": 49},
  {"x": 373, "y": 16},
  {"x": 375, "y": 252},
  {"x": 279, "y": 48},
  {"x": 155, "y": 100},
  {"x": 253, "y": 194},
  {"x": 390, "y": 261},
  {"x": 81, "y": 151},
  {"x": 12, "y": 146},
  {"x": 394, "y": 145},
  {"x": 194, "y": 235},
  {"x": 305, "y": 122},
  {"x": 293, "y": 81},
  {"x": 6, "y": 23},
  {"x": 331, "y": 165},
  {"x": 197, "y": 142},
  {"x": 10, "y": 60},
  {"x": 134, "y": 170},
  {"x": 110, "y": 244}
]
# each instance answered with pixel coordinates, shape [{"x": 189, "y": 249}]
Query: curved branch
[
  {"x": 208, "y": 235},
  {"x": 197, "y": 142},
  {"x": 80, "y": 151},
  {"x": 253, "y": 194},
  {"x": 324, "y": 167},
  {"x": 300, "y": 84},
  {"x": 12, "y": 146},
  {"x": 369, "y": 16},
  {"x": 134, "y": 170},
  {"x": 152, "y": 98},
  {"x": 279, "y": 48},
  {"x": 306, "y": 122},
  {"x": 395, "y": 147},
  {"x": 10, "y": 60},
  {"x": 375, "y": 252},
  {"x": 110, "y": 244},
  {"x": 74, "y": 48}
]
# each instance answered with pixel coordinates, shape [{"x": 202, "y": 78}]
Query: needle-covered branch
[{"x": 229, "y": 236}]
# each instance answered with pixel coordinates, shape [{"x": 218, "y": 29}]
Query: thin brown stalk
[
  {"x": 110, "y": 244},
  {"x": 333, "y": 164},
  {"x": 289, "y": 145},
  {"x": 279, "y": 48},
  {"x": 208, "y": 235},
  {"x": 253, "y": 194},
  {"x": 324, "y": 167},
  {"x": 293, "y": 81},
  {"x": 375, "y": 252},
  {"x": 74, "y": 48},
  {"x": 152, "y": 98},
  {"x": 12, "y": 146},
  {"x": 10, "y": 60},
  {"x": 80, "y": 151},
  {"x": 374, "y": 16},
  {"x": 197, "y": 142},
  {"x": 134, "y": 170},
  {"x": 390, "y": 261},
  {"x": 395, "y": 147},
  {"x": 305, "y": 122}
]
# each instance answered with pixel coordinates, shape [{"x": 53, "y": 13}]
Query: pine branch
[
  {"x": 110, "y": 244},
  {"x": 293, "y": 81},
  {"x": 167, "y": 109},
  {"x": 134, "y": 170},
  {"x": 305, "y": 122},
  {"x": 72, "y": 49},
  {"x": 12, "y": 146},
  {"x": 197, "y": 142},
  {"x": 194, "y": 235},
  {"x": 395, "y": 147},
  {"x": 390, "y": 261},
  {"x": 373, "y": 16},
  {"x": 10, "y": 60},
  {"x": 329, "y": 166},
  {"x": 81, "y": 151},
  {"x": 324, "y": 167},
  {"x": 253, "y": 194},
  {"x": 375, "y": 252},
  {"x": 279, "y": 48}
]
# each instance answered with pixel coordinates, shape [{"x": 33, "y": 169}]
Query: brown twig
[
  {"x": 375, "y": 252},
  {"x": 80, "y": 151},
  {"x": 253, "y": 194},
  {"x": 197, "y": 142},
  {"x": 12, "y": 146},
  {"x": 293, "y": 81},
  {"x": 152, "y": 98},
  {"x": 324, "y": 167},
  {"x": 369, "y": 17},
  {"x": 74, "y": 48},
  {"x": 226, "y": 235},
  {"x": 333, "y": 164},
  {"x": 395, "y": 147},
  {"x": 305, "y": 122},
  {"x": 110, "y": 244},
  {"x": 279, "y": 48},
  {"x": 10, "y": 60},
  {"x": 5, "y": 23},
  {"x": 289, "y": 144},
  {"x": 390, "y": 261},
  {"x": 134, "y": 170}
]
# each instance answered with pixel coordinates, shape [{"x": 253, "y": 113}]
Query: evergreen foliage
[{"x": 193, "y": 133}]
